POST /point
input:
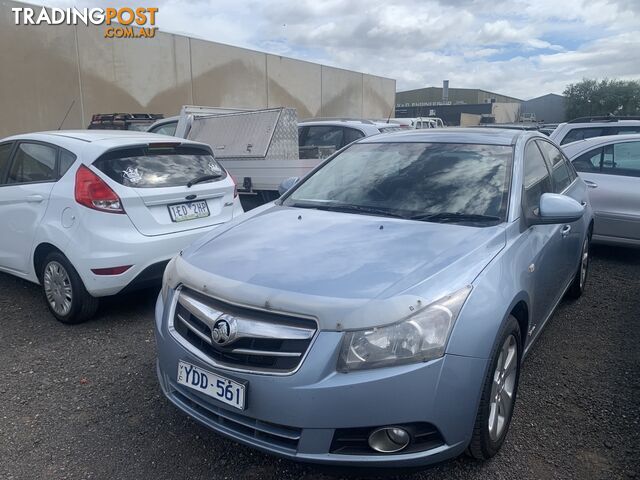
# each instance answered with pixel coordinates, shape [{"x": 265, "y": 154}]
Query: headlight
[{"x": 420, "y": 337}]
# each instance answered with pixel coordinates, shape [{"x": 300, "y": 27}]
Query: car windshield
[{"x": 445, "y": 182}]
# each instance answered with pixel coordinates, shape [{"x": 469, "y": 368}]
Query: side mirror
[
  {"x": 287, "y": 184},
  {"x": 556, "y": 208}
]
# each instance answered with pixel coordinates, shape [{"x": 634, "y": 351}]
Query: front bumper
[{"x": 296, "y": 415}]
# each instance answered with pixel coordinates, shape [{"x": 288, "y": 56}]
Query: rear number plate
[
  {"x": 181, "y": 212},
  {"x": 211, "y": 384}
]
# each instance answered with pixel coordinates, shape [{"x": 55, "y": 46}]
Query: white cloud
[{"x": 516, "y": 47}]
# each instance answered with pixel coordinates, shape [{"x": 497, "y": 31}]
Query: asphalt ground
[{"x": 83, "y": 402}]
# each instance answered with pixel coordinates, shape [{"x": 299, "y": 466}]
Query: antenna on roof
[{"x": 66, "y": 114}]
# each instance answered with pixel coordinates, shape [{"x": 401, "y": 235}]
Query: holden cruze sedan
[
  {"x": 378, "y": 313},
  {"x": 91, "y": 213}
]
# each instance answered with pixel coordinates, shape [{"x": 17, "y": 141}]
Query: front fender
[{"x": 496, "y": 292}]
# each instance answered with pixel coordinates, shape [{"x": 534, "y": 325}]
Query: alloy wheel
[
  {"x": 57, "y": 288},
  {"x": 503, "y": 388}
]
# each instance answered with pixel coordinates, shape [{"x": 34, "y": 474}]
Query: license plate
[
  {"x": 216, "y": 386},
  {"x": 181, "y": 212}
]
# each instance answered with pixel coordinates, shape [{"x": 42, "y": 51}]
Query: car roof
[
  {"x": 602, "y": 123},
  {"x": 337, "y": 121},
  {"x": 484, "y": 136},
  {"x": 93, "y": 143},
  {"x": 580, "y": 146}
]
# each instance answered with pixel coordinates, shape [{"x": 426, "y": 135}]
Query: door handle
[
  {"x": 565, "y": 230},
  {"x": 591, "y": 184},
  {"x": 34, "y": 198}
]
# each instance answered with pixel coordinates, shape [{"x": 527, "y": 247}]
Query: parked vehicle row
[{"x": 417, "y": 267}]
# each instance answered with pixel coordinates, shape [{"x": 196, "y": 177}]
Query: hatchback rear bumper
[{"x": 116, "y": 243}]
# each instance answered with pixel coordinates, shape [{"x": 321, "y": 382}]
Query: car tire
[
  {"x": 496, "y": 406},
  {"x": 580, "y": 279},
  {"x": 64, "y": 291}
]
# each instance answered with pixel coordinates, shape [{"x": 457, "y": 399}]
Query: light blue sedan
[{"x": 379, "y": 312}]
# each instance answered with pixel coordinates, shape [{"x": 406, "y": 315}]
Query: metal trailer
[{"x": 259, "y": 148}]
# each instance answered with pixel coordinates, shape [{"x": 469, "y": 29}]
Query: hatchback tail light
[
  {"x": 92, "y": 192},
  {"x": 235, "y": 186}
]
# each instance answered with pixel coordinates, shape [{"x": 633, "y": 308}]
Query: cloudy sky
[{"x": 515, "y": 47}]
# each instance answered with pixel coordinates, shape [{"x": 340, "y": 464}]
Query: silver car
[
  {"x": 589, "y": 127},
  {"x": 378, "y": 313},
  {"x": 610, "y": 166}
]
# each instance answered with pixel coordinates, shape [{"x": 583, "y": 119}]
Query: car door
[
  {"x": 544, "y": 242},
  {"x": 563, "y": 182},
  {"x": 24, "y": 193},
  {"x": 613, "y": 173}
]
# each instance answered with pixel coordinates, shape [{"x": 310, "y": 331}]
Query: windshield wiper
[
  {"x": 203, "y": 178},
  {"x": 455, "y": 217},
  {"x": 349, "y": 208}
]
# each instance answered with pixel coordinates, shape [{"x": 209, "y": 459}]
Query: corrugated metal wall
[{"x": 44, "y": 68}]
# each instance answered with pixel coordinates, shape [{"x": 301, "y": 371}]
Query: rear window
[
  {"x": 144, "y": 167},
  {"x": 390, "y": 129}
]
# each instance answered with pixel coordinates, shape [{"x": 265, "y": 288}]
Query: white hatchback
[{"x": 92, "y": 213}]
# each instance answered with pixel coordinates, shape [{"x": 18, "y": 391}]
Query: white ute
[{"x": 90, "y": 213}]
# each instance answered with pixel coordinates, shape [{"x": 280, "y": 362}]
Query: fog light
[{"x": 389, "y": 439}]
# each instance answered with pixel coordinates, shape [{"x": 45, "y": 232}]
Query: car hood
[{"x": 313, "y": 262}]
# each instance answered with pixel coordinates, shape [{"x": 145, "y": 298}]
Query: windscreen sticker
[
  {"x": 215, "y": 168},
  {"x": 132, "y": 175}
]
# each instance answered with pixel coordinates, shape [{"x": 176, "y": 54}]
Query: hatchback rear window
[{"x": 144, "y": 167}]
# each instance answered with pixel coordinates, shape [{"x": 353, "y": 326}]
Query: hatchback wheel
[
  {"x": 66, "y": 296},
  {"x": 580, "y": 279},
  {"x": 498, "y": 394}
]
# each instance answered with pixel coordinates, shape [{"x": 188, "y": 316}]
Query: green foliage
[{"x": 604, "y": 97}]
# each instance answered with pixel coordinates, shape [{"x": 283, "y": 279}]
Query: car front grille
[
  {"x": 252, "y": 430},
  {"x": 261, "y": 341}
]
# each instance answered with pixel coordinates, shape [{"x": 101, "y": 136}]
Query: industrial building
[
  {"x": 549, "y": 108},
  {"x": 431, "y": 96},
  {"x": 48, "y": 70},
  {"x": 458, "y": 106}
]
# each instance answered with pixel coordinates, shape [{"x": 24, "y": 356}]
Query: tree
[{"x": 604, "y": 97}]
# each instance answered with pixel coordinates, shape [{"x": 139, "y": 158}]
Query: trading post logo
[{"x": 119, "y": 22}]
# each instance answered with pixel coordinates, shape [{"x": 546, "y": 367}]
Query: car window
[
  {"x": 66, "y": 160},
  {"x": 165, "y": 129},
  {"x": 588, "y": 162},
  {"x": 622, "y": 159},
  {"x": 5, "y": 153},
  {"x": 536, "y": 178},
  {"x": 588, "y": 132},
  {"x": 144, "y": 167},
  {"x": 390, "y": 129},
  {"x": 33, "y": 162},
  {"x": 560, "y": 175},
  {"x": 413, "y": 179},
  {"x": 351, "y": 135},
  {"x": 572, "y": 171},
  {"x": 628, "y": 129},
  {"x": 323, "y": 136}
]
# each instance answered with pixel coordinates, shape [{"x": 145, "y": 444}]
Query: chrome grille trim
[
  {"x": 246, "y": 327},
  {"x": 289, "y": 332}
]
